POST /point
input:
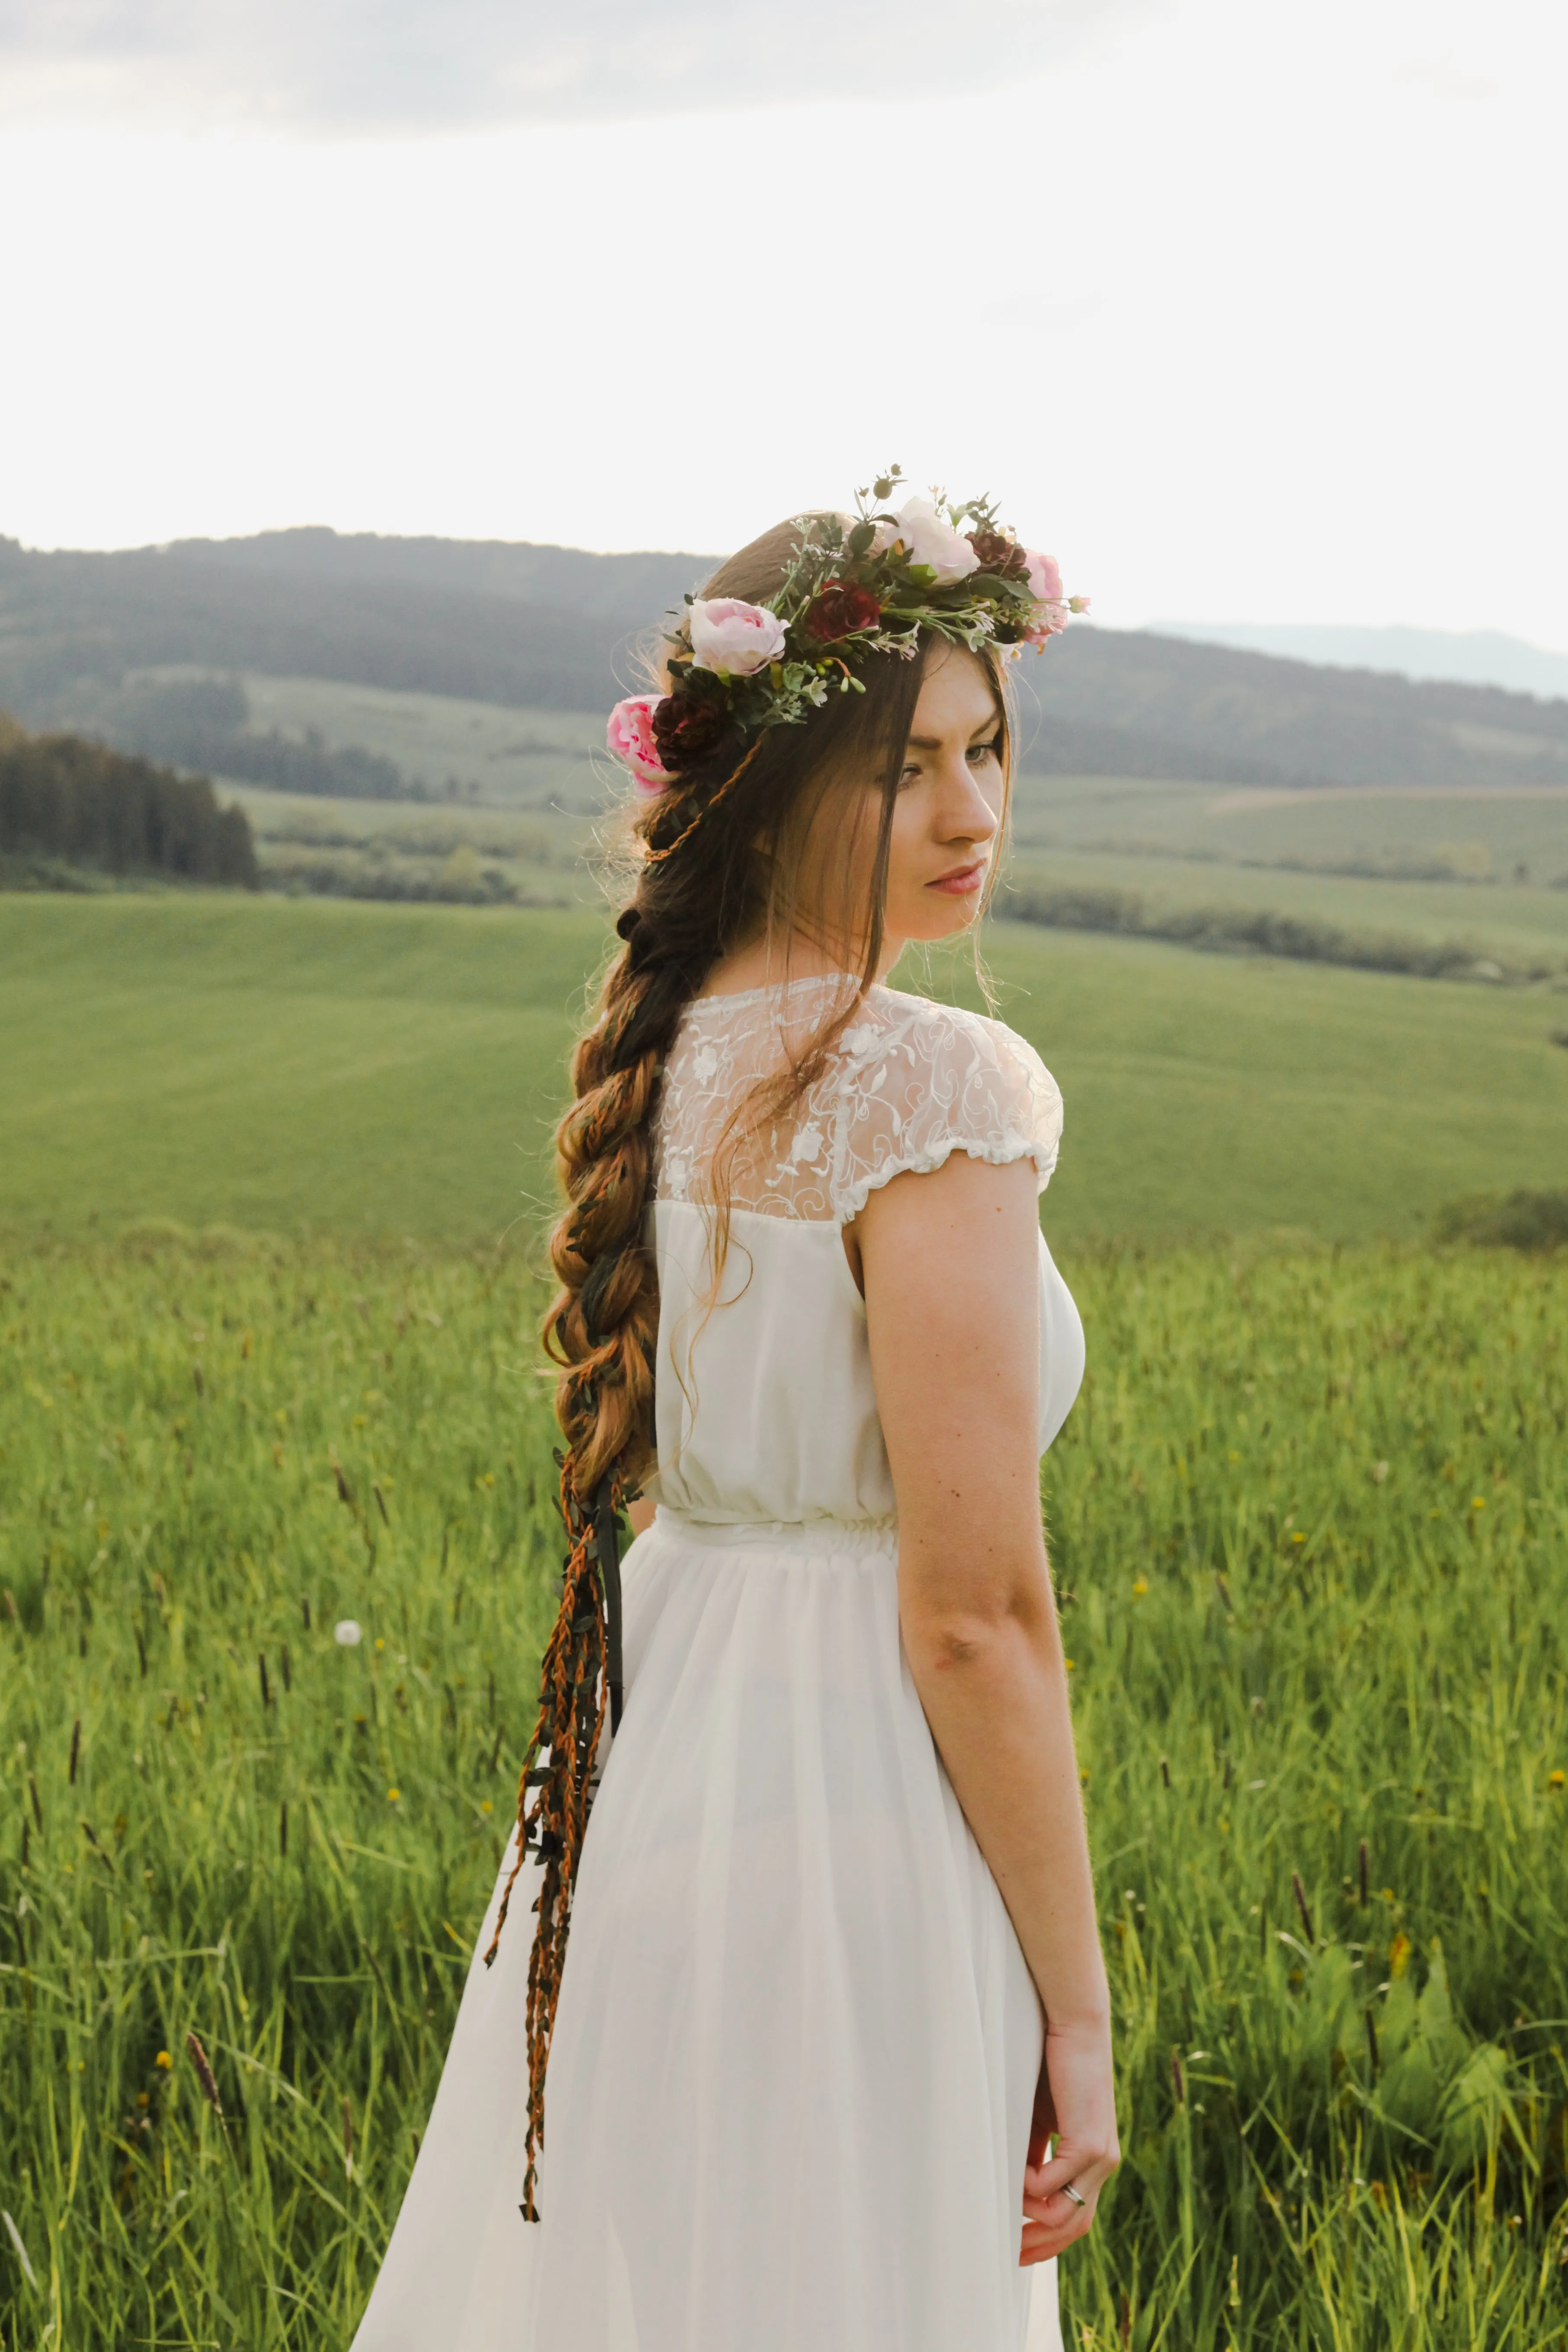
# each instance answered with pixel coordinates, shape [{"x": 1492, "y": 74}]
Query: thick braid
[
  {"x": 602, "y": 1328},
  {"x": 602, "y": 1325}
]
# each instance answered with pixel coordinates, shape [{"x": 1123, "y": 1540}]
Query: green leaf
[{"x": 861, "y": 539}]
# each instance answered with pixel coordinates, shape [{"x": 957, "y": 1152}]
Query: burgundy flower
[
  {"x": 686, "y": 730},
  {"x": 1000, "y": 554},
  {"x": 838, "y": 610}
]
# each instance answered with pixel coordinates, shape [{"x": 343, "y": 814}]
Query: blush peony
[
  {"x": 630, "y": 737},
  {"x": 1045, "y": 578},
  {"x": 931, "y": 540},
  {"x": 733, "y": 638}
]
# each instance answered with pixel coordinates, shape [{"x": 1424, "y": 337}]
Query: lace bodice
[
  {"x": 907, "y": 1083},
  {"x": 764, "y": 1405}
]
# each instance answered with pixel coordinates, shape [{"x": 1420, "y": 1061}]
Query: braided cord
[
  {"x": 553, "y": 1799},
  {"x": 656, "y": 857}
]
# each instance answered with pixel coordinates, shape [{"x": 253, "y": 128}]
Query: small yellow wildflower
[
  {"x": 1554, "y": 1780},
  {"x": 1478, "y": 1502},
  {"x": 486, "y": 1806},
  {"x": 1298, "y": 1537},
  {"x": 380, "y": 1643},
  {"x": 393, "y": 1796},
  {"x": 163, "y": 2060},
  {"x": 1140, "y": 1587}
]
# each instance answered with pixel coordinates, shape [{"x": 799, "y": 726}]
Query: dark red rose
[
  {"x": 686, "y": 730},
  {"x": 1000, "y": 554},
  {"x": 838, "y": 610}
]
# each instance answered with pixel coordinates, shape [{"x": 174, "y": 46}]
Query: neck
[{"x": 768, "y": 962}]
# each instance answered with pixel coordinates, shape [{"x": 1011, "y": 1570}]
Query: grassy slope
[
  {"x": 1525, "y": 925},
  {"x": 522, "y": 759},
  {"x": 1307, "y": 1521},
  {"x": 366, "y": 1070},
  {"x": 1494, "y": 828},
  {"x": 527, "y": 758}
]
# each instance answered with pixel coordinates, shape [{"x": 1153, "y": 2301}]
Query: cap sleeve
[{"x": 920, "y": 1081}]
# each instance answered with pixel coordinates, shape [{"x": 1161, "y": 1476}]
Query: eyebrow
[{"x": 933, "y": 743}]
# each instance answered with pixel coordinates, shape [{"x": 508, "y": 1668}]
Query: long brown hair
[{"x": 719, "y": 860}]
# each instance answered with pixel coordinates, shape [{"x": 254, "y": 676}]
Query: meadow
[
  {"x": 1309, "y": 1526},
  {"x": 271, "y": 1179},
  {"x": 316, "y": 1065}
]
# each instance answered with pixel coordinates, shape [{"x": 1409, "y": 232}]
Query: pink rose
[
  {"x": 1044, "y": 579},
  {"x": 630, "y": 735},
  {"x": 733, "y": 638},
  {"x": 928, "y": 539}
]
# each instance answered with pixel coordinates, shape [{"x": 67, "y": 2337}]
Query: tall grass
[{"x": 1308, "y": 1522}]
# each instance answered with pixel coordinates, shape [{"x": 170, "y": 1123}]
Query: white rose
[
  {"x": 733, "y": 638},
  {"x": 931, "y": 540}
]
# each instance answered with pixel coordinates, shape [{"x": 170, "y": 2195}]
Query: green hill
[
  {"x": 358, "y": 1069},
  {"x": 552, "y": 627}
]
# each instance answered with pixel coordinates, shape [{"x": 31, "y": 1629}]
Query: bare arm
[{"x": 949, "y": 1265}]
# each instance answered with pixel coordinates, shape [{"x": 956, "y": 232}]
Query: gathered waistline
[{"x": 820, "y": 1536}]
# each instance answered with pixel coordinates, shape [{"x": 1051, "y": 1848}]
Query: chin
[{"x": 938, "y": 918}]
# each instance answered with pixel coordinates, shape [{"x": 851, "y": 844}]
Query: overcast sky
[{"x": 1247, "y": 311}]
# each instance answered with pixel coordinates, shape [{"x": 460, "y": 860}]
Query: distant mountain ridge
[
  {"x": 557, "y": 628},
  {"x": 1465, "y": 657}
]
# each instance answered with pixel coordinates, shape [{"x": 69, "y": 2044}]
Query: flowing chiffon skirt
[{"x": 792, "y": 2068}]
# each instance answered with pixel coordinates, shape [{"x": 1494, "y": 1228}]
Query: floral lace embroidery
[{"x": 910, "y": 1083}]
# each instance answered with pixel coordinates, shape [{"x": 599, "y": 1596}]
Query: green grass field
[
  {"x": 1469, "y": 831},
  {"x": 1521, "y": 924},
  {"x": 272, "y": 1171},
  {"x": 1310, "y": 1521},
  {"x": 312, "y": 1065}
]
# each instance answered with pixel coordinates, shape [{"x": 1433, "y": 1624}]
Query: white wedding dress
[{"x": 790, "y": 2086}]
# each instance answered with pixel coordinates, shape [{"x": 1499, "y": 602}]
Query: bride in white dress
[{"x": 833, "y": 1982}]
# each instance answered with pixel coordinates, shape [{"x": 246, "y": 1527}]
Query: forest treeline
[
  {"x": 557, "y": 628},
  {"x": 67, "y": 802}
]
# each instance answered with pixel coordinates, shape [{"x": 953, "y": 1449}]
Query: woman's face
[{"x": 947, "y": 820}]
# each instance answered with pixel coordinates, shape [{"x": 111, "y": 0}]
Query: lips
[{"x": 962, "y": 881}]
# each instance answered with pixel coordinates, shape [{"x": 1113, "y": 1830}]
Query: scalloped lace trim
[
  {"x": 910, "y": 1083},
  {"x": 995, "y": 1155}
]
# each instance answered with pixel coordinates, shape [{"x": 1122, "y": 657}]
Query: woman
[{"x": 833, "y": 1979}]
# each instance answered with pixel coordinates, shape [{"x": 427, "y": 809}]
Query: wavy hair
[{"x": 718, "y": 857}]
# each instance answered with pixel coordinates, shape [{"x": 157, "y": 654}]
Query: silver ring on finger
[{"x": 1068, "y": 2190}]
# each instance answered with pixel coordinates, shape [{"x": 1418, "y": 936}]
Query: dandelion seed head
[{"x": 347, "y": 1633}]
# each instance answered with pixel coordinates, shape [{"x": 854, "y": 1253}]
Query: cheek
[{"x": 906, "y": 849}]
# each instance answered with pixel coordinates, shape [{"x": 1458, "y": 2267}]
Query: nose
[{"x": 964, "y": 809}]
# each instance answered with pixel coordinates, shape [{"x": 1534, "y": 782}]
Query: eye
[{"x": 991, "y": 751}]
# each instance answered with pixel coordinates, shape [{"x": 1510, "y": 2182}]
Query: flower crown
[{"x": 873, "y": 587}]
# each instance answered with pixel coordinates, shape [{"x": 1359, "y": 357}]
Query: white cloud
[{"x": 358, "y": 66}]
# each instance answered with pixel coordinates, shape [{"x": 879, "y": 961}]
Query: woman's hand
[{"x": 1075, "y": 2103}]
